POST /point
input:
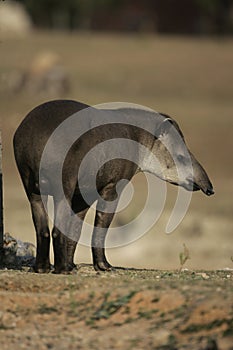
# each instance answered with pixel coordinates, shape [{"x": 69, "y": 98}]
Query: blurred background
[{"x": 173, "y": 56}]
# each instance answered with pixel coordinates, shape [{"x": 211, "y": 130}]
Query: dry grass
[{"x": 189, "y": 78}]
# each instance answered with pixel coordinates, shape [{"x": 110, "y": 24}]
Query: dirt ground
[
  {"x": 123, "y": 309},
  {"x": 190, "y": 79}
]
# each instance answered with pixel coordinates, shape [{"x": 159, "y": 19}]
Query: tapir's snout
[
  {"x": 201, "y": 180},
  {"x": 204, "y": 186},
  {"x": 209, "y": 191}
]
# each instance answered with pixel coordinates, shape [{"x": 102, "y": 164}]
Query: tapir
[{"x": 144, "y": 128}]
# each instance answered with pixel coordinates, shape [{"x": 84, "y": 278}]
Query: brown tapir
[{"x": 41, "y": 176}]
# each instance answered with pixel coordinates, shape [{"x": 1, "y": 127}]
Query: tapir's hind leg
[
  {"x": 40, "y": 219},
  {"x": 66, "y": 233},
  {"x": 71, "y": 244},
  {"x": 59, "y": 235}
]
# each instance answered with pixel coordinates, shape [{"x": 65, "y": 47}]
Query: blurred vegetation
[{"x": 162, "y": 16}]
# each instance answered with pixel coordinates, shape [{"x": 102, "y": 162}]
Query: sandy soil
[{"x": 123, "y": 309}]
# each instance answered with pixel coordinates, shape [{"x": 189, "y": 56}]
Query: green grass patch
[
  {"x": 109, "y": 307},
  {"x": 45, "y": 309}
]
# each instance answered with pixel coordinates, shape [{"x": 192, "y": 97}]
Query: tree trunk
[{"x": 1, "y": 203}]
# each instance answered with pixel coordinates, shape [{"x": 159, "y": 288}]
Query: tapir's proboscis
[{"x": 157, "y": 133}]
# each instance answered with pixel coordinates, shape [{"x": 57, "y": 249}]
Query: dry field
[{"x": 190, "y": 79}]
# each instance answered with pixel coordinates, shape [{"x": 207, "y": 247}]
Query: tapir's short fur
[{"x": 29, "y": 142}]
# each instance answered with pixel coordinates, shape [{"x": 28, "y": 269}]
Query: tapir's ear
[{"x": 164, "y": 127}]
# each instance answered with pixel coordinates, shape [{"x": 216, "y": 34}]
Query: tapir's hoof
[
  {"x": 103, "y": 266},
  {"x": 63, "y": 271},
  {"x": 73, "y": 267},
  {"x": 66, "y": 270},
  {"x": 70, "y": 270},
  {"x": 39, "y": 268}
]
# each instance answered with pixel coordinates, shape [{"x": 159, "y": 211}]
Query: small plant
[
  {"x": 232, "y": 258},
  {"x": 184, "y": 256},
  {"x": 147, "y": 314},
  {"x": 109, "y": 307},
  {"x": 45, "y": 309}
]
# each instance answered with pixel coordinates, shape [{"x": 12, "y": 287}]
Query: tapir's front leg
[
  {"x": 102, "y": 223},
  {"x": 103, "y": 219}
]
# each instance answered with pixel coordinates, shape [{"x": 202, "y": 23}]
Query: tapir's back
[
  {"x": 33, "y": 133},
  {"x": 36, "y": 128}
]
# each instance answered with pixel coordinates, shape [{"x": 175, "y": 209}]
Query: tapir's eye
[{"x": 181, "y": 159}]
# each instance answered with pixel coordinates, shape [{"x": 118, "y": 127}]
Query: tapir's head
[{"x": 177, "y": 164}]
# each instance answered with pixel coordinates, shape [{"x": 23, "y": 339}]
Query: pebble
[{"x": 203, "y": 275}]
